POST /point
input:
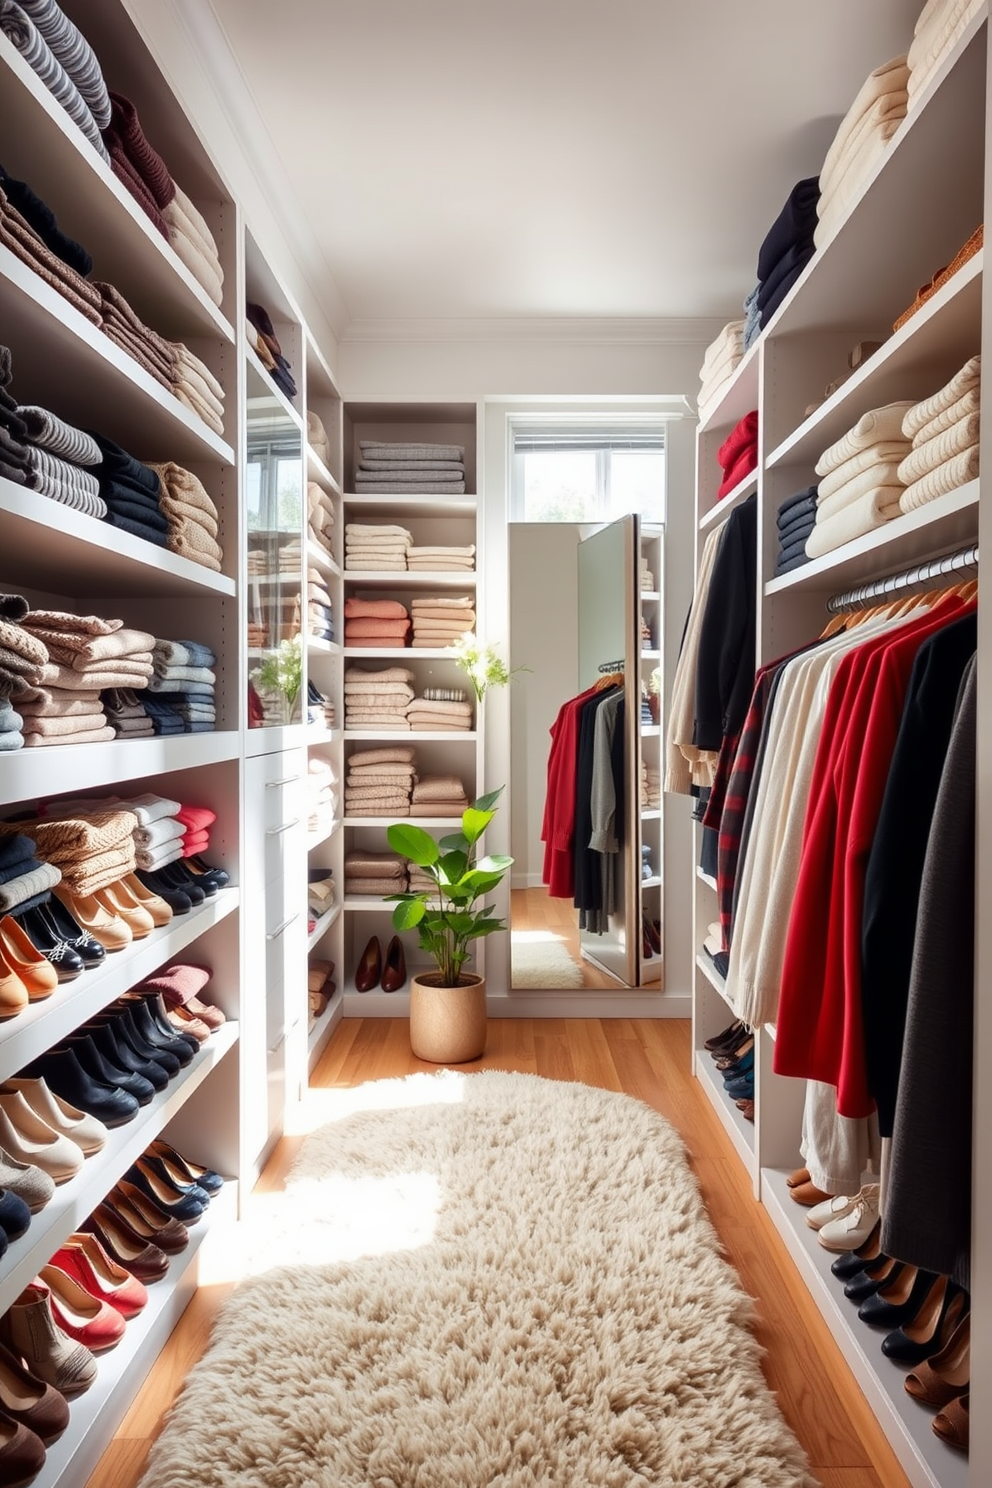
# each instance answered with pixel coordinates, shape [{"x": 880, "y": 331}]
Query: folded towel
[
  {"x": 397, "y": 450},
  {"x": 957, "y": 471},
  {"x": 394, "y": 754},
  {"x": 387, "y": 488}
]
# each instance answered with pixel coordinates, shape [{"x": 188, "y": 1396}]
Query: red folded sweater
[
  {"x": 738, "y": 454},
  {"x": 196, "y": 818}
]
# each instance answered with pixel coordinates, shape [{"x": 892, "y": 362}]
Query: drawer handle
[
  {"x": 275, "y": 934},
  {"x": 287, "y": 780},
  {"x": 275, "y": 831}
]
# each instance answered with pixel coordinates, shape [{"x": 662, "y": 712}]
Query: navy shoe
[
  {"x": 185, "y": 1170},
  {"x": 126, "y": 1032},
  {"x": 177, "y": 900},
  {"x": 143, "y": 1013},
  {"x": 741, "y": 1088},
  {"x": 95, "y": 1064},
  {"x": 15, "y": 1216},
  {"x": 881, "y": 1312},
  {"x": 90, "y": 951},
  {"x": 117, "y": 1054},
  {"x": 180, "y": 877},
  {"x": 158, "y": 1169},
  {"x": 199, "y": 869},
  {"x": 63, "y": 1073},
  {"x": 179, "y": 1205}
]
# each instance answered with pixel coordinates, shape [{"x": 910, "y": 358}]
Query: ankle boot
[{"x": 30, "y": 1331}]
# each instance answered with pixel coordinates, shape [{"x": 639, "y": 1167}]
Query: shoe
[
  {"x": 947, "y": 1374},
  {"x": 22, "y": 1452},
  {"x": 46, "y": 939},
  {"x": 834, "y": 1208},
  {"x": 27, "y": 1181},
  {"x": 729, "y": 1061},
  {"x": 25, "y": 1136},
  {"x": 80, "y": 1315},
  {"x": 185, "y": 1170},
  {"x": 144, "y": 1260},
  {"x": 15, "y": 1217},
  {"x": 851, "y": 1228},
  {"x": 848, "y": 1265},
  {"x": 119, "y": 901},
  {"x": 939, "y": 1314},
  {"x": 899, "y": 1300},
  {"x": 808, "y": 1194},
  {"x": 13, "y": 993},
  {"x": 30, "y": 1331},
  {"x": 187, "y": 1022},
  {"x": 109, "y": 929},
  {"x": 21, "y": 957},
  {"x": 177, "y": 877},
  {"x": 117, "y": 1053},
  {"x": 30, "y": 1401},
  {"x": 742, "y": 1064},
  {"x": 148, "y": 1017},
  {"x": 158, "y": 1170},
  {"x": 89, "y": 1134},
  {"x": 866, "y": 1282},
  {"x": 951, "y": 1424},
  {"x": 84, "y": 1259},
  {"x": 196, "y": 865},
  {"x": 94, "y": 1063},
  {"x": 185, "y": 1205},
  {"x": 125, "y": 1027},
  {"x": 160, "y": 911},
  {"x": 740, "y": 1088},
  {"x": 726, "y": 1037},
  {"x": 180, "y": 986},
  {"x": 746, "y": 1108},
  {"x": 798, "y": 1178},
  {"x": 160, "y": 882},
  {"x": 66, "y": 1077},
  {"x": 369, "y": 969},
  {"x": 90, "y": 951},
  {"x": 146, "y": 1218},
  {"x": 394, "y": 966},
  {"x": 177, "y": 901}
]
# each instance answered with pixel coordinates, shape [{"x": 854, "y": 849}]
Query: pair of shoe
[
  {"x": 802, "y": 1190},
  {"x": 944, "y": 1376},
  {"x": 376, "y": 970},
  {"x": 116, "y": 915},
  {"x": 725, "y": 1045},
  {"x": 25, "y": 975},
  {"x": 33, "y": 1415},
  {"x": 180, "y": 987},
  {"x": 40, "y": 1130},
  {"x": 57, "y": 935},
  {"x": 650, "y": 936},
  {"x": 320, "y": 988},
  {"x": 186, "y": 883},
  {"x": 31, "y": 1333},
  {"x": 843, "y": 1223}
]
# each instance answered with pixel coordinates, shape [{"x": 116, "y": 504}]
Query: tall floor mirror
[{"x": 585, "y": 807}]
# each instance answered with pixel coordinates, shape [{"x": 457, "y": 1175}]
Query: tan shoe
[
  {"x": 29, "y": 1330},
  {"x": 30, "y": 1139},
  {"x": 13, "y": 993},
  {"x": 22, "y": 957},
  {"x": 187, "y": 1022},
  {"x": 103, "y": 924},
  {"x": 89, "y": 1134},
  {"x": 118, "y": 900},
  {"x": 156, "y": 906}
]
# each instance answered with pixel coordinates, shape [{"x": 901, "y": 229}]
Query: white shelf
[
  {"x": 454, "y": 822},
  {"x": 408, "y": 578},
  {"x": 318, "y": 838},
  {"x": 707, "y": 879},
  {"x": 318, "y": 471},
  {"x": 424, "y": 736},
  {"x": 740, "y": 1131},
  {"x": 931, "y": 530},
  {"x": 650, "y": 730},
  {"x": 60, "y": 164},
  {"x": 319, "y": 1035},
  {"x": 60, "y": 358},
  {"x": 44, "y": 1024},
  {"x": 651, "y": 594},
  {"x": 651, "y": 813},
  {"x": 317, "y": 735},
  {"x": 398, "y": 653},
  {"x": 279, "y": 400},
  {"x": 95, "y": 1415},
  {"x": 30, "y": 773},
  {"x": 321, "y": 558},
  {"x": 715, "y": 980},
  {"x": 318, "y": 647},
  {"x": 55, "y": 548},
  {"x": 412, "y": 506},
  {"x": 927, "y": 1461},
  {"x": 322, "y": 926},
  {"x": 654, "y": 882},
  {"x": 740, "y": 394},
  {"x": 376, "y": 1003},
  {"x": 648, "y": 654},
  {"x": 733, "y": 498},
  {"x": 271, "y": 738},
  {"x": 75, "y": 1200}
]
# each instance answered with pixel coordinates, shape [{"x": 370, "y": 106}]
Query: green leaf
[
  {"x": 487, "y": 927},
  {"x": 481, "y": 883},
  {"x": 494, "y": 863},
  {"x": 413, "y": 843},
  {"x": 474, "y": 823},
  {"x": 461, "y": 924},
  {"x": 407, "y": 916},
  {"x": 488, "y": 802},
  {"x": 454, "y": 866},
  {"x": 454, "y": 842}
]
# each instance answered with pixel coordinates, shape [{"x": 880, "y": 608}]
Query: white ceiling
[{"x": 546, "y": 158}]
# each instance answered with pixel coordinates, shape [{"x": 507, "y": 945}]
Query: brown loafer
[
  {"x": 22, "y": 1453},
  {"x": 808, "y": 1194}
]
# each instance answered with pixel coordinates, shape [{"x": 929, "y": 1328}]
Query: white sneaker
[
  {"x": 829, "y": 1209},
  {"x": 850, "y": 1230}
]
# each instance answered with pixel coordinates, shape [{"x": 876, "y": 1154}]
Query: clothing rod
[
  {"x": 923, "y": 573},
  {"x": 610, "y": 666}
]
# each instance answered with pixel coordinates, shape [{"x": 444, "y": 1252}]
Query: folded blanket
[
  {"x": 394, "y": 754},
  {"x": 20, "y": 29},
  {"x": 438, "y": 788},
  {"x": 957, "y": 471},
  {"x": 383, "y": 609},
  {"x": 376, "y": 532},
  {"x": 923, "y": 413},
  {"x": 731, "y": 337},
  {"x": 387, "y": 488},
  {"x": 400, "y": 475},
  {"x": 368, "y": 864},
  {"x": 891, "y": 78},
  {"x": 205, "y": 270},
  {"x": 442, "y": 552},
  {"x": 373, "y": 887},
  {"x": 861, "y": 516},
  {"x": 386, "y": 450},
  {"x": 887, "y": 451},
  {"x": 442, "y": 602},
  {"x": 875, "y": 427}
]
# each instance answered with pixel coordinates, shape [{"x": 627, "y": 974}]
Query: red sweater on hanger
[
  {"x": 558, "y": 829},
  {"x": 820, "y": 1030}
]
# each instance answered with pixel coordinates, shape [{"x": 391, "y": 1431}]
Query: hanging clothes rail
[{"x": 909, "y": 578}]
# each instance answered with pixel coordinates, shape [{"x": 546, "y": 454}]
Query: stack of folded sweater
[
  {"x": 13, "y": 430},
  {"x": 91, "y": 847},
  {"x": 320, "y": 517},
  {"x": 317, "y": 438},
  {"x": 377, "y": 700},
  {"x": 433, "y": 714},
  {"x": 320, "y": 609},
  {"x": 321, "y": 796},
  {"x": 646, "y": 576},
  {"x": 131, "y": 493},
  {"x": 389, "y": 467},
  {"x": 86, "y": 654},
  {"x": 290, "y": 556},
  {"x": 258, "y": 563},
  {"x": 945, "y": 432},
  {"x": 183, "y": 681},
  {"x": 375, "y": 546},
  {"x": 60, "y": 461},
  {"x": 11, "y": 722},
  {"x": 42, "y": 219},
  {"x": 738, "y": 454},
  {"x": 23, "y": 658},
  {"x": 438, "y": 620},
  {"x": 197, "y": 388},
  {"x": 379, "y": 782},
  {"x": 126, "y": 713},
  {"x": 64, "y": 62},
  {"x": 367, "y": 873},
  {"x": 787, "y": 248},
  {"x": 140, "y": 168},
  {"x": 938, "y": 27},
  {"x": 193, "y": 519},
  {"x": 17, "y": 234},
  {"x": 720, "y": 362},
  {"x": 441, "y": 560},
  {"x": 438, "y": 795},
  {"x": 860, "y": 487},
  {"x": 375, "y": 623},
  {"x": 860, "y": 143},
  {"x": 652, "y": 788},
  {"x": 196, "y": 822},
  {"x": 263, "y": 339},
  {"x": 25, "y": 879},
  {"x": 795, "y": 520},
  {"x": 153, "y": 822}
]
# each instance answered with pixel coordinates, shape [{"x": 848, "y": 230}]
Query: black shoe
[
  {"x": 48, "y": 943},
  {"x": 63, "y": 1073},
  {"x": 866, "y": 1282},
  {"x": 728, "y": 1040},
  {"x": 881, "y": 1312},
  {"x": 146, "y": 1024},
  {"x": 156, "y": 1167},
  {"x": 90, "y": 951},
  {"x": 125, "y": 1028},
  {"x": 183, "y": 878},
  {"x": 116, "y": 1052},
  {"x": 176, "y": 899},
  {"x": 200, "y": 870},
  {"x": 179, "y": 1205},
  {"x": 95, "y": 1064},
  {"x": 943, "y": 1307},
  {"x": 15, "y": 1216}
]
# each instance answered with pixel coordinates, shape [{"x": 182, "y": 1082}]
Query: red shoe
[
  {"x": 93, "y": 1323},
  {"x": 84, "y": 1259}
]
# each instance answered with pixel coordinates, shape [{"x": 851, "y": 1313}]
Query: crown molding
[{"x": 538, "y": 329}]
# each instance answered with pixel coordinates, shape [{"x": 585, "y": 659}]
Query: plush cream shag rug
[
  {"x": 491, "y": 1281},
  {"x": 542, "y": 963}
]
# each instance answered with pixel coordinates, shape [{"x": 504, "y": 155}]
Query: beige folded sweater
[
  {"x": 957, "y": 471},
  {"x": 890, "y": 78},
  {"x": 928, "y": 455},
  {"x": 937, "y": 28},
  {"x": 921, "y": 414},
  {"x": 394, "y": 754},
  {"x": 889, "y": 452},
  {"x": 884, "y": 474},
  {"x": 863, "y": 515},
  {"x": 968, "y": 403},
  {"x": 875, "y": 427}
]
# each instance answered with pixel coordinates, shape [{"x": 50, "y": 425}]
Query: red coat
[{"x": 558, "y": 829}]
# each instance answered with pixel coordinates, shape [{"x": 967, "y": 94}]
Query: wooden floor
[
  {"x": 534, "y": 909},
  {"x": 648, "y": 1060}
]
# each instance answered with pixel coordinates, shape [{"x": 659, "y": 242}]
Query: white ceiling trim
[{"x": 546, "y": 330}]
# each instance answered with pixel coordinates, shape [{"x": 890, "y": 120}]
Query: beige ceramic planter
[{"x": 447, "y": 1024}]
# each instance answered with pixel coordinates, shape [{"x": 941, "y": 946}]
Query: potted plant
[
  {"x": 448, "y": 1005},
  {"x": 280, "y": 674}
]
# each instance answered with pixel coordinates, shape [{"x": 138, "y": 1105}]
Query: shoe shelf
[
  {"x": 320, "y": 1033},
  {"x": 933, "y": 529},
  {"x": 45, "y": 1023},
  {"x": 47, "y": 150},
  {"x": 318, "y": 471},
  {"x": 726, "y": 504},
  {"x": 741, "y": 1132},
  {"x": 95, "y": 1415},
  {"x": 51, "y": 546},
  {"x": 715, "y": 980},
  {"x": 28, "y": 774},
  {"x": 322, "y": 926},
  {"x": 927, "y": 1461},
  {"x": 75, "y": 1201},
  {"x": 65, "y": 361}
]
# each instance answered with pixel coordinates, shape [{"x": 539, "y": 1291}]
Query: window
[{"x": 587, "y": 471}]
